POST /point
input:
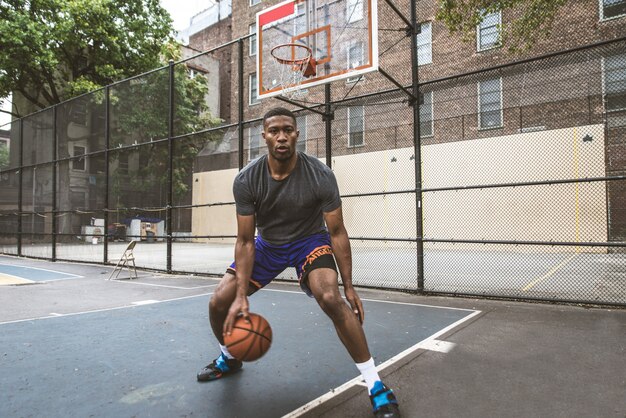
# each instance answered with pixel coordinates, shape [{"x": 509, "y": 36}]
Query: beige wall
[
  {"x": 557, "y": 212},
  {"x": 213, "y": 187}
]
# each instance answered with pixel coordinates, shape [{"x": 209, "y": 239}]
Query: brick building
[{"x": 516, "y": 97}]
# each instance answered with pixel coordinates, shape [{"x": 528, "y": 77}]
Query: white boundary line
[
  {"x": 357, "y": 380},
  {"x": 130, "y": 281},
  {"x": 131, "y": 305},
  {"x": 16, "y": 277},
  {"x": 67, "y": 275},
  {"x": 380, "y": 301}
]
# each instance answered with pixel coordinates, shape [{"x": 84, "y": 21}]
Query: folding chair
[{"x": 126, "y": 260}]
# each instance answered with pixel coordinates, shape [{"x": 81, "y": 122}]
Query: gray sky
[{"x": 182, "y": 10}]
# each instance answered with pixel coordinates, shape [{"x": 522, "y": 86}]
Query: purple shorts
[{"x": 305, "y": 255}]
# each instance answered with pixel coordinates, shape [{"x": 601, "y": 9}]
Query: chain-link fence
[{"x": 520, "y": 192}]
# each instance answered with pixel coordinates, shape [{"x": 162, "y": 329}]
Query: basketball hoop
[{"x": 296, "y": 63}]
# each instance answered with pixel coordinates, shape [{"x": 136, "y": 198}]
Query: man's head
[
  {"x": 279, "y": 111},
  {"x": 280, "y": 133}
]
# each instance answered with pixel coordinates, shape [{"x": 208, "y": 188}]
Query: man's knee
[
  {"x": 330, "y": 301},
  {"x": 224, "y": 293}
]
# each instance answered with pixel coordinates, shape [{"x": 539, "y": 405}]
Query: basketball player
[{"x": 289, "y": 197}]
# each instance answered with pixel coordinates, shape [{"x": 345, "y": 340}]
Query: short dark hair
[{"x": 279, "y": 111}]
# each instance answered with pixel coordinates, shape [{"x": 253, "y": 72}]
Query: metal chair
[{"x": 126, "y": 260}]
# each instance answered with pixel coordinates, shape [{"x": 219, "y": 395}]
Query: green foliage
[
  {"x": 534, "y": 19},
  {"x": 52, "y": 50},
  {"x": 142, "y": 109}
]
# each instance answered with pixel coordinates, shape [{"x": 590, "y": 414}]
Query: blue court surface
[
  {"x": 142, "y": 361},
  {"x": 14, "y": 274},
  {"x": 91, "y": 347}
]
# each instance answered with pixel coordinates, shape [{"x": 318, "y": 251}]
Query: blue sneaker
[
  {"x": 220, "y": 367},
  {"x": 384, "y": 402}
]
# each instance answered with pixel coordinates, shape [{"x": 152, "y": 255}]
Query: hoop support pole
[{"x": 284, "y": 99}]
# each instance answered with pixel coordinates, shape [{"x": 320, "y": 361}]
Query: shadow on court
[{"x": 91, "y": 347}]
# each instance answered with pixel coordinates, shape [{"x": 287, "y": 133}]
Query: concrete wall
[{"x": 557, "y": 212}]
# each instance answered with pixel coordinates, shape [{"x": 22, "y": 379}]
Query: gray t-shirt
[{"x": 291, "y": 208}]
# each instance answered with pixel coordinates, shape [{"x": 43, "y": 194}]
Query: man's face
[{"x": 280, "y": 135}]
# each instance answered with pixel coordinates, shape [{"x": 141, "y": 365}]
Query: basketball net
[{"x": 295, "y": 64}]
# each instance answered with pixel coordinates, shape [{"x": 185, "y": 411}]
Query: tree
[
  {"x": 52, "y": 50},
  {"x": 142, "y": 116},
  {"x": 534, "y": 22}
]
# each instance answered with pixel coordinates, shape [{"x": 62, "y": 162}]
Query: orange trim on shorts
[
  {"x": 315, "y": 254},
  {"x": 251, "y": 280}
]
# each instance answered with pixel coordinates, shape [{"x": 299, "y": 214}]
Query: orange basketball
[{"x": 249, "y": 340}]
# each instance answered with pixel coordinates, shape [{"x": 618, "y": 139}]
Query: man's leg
[
  {"x": 324, "y": 285},
  {"x": 219, "y": 304}
]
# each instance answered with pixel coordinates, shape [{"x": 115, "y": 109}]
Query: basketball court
[
  {"x": 136, "y": 347},
  {"x": 88, "y": 346}
]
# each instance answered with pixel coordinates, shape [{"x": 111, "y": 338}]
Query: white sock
[
  {"x": 224, "y": 350},
  {"x": 369, "y": 373}
]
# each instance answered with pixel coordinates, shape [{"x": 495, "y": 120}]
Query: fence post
[
  {"x": 416, "y": 147},
  {"x": 170, "y": 167},
  {"x": 328, "y": 125},
  {"x": 55, "y": 167},
  {"x": 107, "y": 145},
  {"x": 240, "y": 114},
  {"x": 19, "y": 192}
]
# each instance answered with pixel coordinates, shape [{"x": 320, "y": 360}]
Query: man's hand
[
  {"x": 239, "y": 306},
  {"x": 355, "y": 303}
]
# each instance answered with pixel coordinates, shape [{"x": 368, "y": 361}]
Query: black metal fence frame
[{"x": 325, "y": 110}]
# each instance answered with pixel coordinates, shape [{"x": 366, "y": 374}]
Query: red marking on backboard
[{"x": 277, "y": 13}]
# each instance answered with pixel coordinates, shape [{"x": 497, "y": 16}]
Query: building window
[
  {"x": 426, "y": 114},
  {"x": 615, "y": 82},
  {"x": 252, "y": 39},
  {"x": 425, "y": 44},
  {"x": 354, "y": 59},
  {"x": 612, "y": 8},
  {"x": 78, "y": 112},
  {"x": 490, "y": 104},
  {"x": 79, "y": 163},
  {"x": 301, "y": 123},
  {"x": 354, "y": 10},
  {"x": 253, "y": 90},
  {"x": 488, "y": 32},
  {"x": 255, "y": 141},
  {"x": 356, "y": 126},
  {"x": 254, "y": 2}
]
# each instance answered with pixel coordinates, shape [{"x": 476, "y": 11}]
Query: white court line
[
  {"x": 15, "y": 277},
  {"x": 68, "y": 275},
  {"x": 129, "y": 281},
  {"x": 377, "y": 300},
  {"x": 56, "y": 315},
  {"x": 357, "y": 380}
]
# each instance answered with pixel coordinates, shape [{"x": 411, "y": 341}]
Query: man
[{"x": 290, "y": 197}]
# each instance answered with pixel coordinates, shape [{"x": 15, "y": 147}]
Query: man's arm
[
  {"x": 244, "y": 261},
  {"x": 343, "y": 254}
]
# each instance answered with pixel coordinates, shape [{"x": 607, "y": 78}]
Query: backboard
[{"x": 341, "y": 35}]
